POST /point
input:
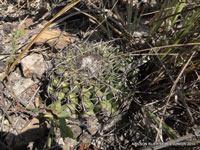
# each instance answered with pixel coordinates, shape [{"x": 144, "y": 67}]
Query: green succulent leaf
[
  {"x": 58, "y": 106},
  {"x": 59, "y": 70},
  {"x": 106, "y": 106},
  {"x": 51, "y": 90},
  {"x": 85, "y": 94},
  {"x": 65, "y": 84},
  {"x": 71, "y": 106},
  {"x": 66, "y": 74},
  {"x": 64, "y": 130},
  {"x": 76, "y": 88},
  {"x": 55, "y": 82},
  {"x": 87, "y": 104},
  {"x": 74, "y": 115},
  {"x": 90, "y": 113},
  {"x": 48, "y": 116},
  {"x": 97, "y": 108},
  {"x": 73, "y": 97},
  {"x": 63, "y": 114},
  {"x": 60, "y": 95},
  {"x": 65, "y": 90},
  {"x": 49, "y": 138}
]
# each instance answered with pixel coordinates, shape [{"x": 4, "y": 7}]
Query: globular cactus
[{"x": 92, "y": 79}]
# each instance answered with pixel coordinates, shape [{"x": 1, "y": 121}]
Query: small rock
[
  {"x": 76, "y": 130},
  {"x": 24, "y": 88},
  {"x": 69, "y": 144},
  {"x": 20, "y": 84},
  {"x": 92, "y": 125},
  {"x": 28, "y": 22},
  {"x": 87, "y": 146},
  {"x": 33, "y": 65},
  {"x": 85, "y": 137}
]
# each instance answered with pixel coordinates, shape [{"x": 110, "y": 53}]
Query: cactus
[{"x": 91, "y": 79}]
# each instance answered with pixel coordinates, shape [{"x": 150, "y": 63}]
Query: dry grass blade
[
  {"x": 172, "y": 92},
  {"x": 156, "y": 48},
  {"x": 66, "y": 8}
]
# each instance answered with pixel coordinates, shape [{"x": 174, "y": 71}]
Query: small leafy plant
[
  {"x": 17, "y": 35},
  {"x": 56, "y": 116}
]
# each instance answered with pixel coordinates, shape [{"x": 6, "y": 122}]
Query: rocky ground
[{"x": 24, "y": 94}]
